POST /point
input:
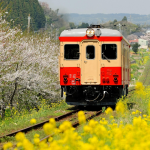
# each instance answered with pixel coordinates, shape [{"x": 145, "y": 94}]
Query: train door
[{"x": 90, "y": 70}]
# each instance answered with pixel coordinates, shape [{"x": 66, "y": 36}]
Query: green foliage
[
  {"x": 138, "y": 29},
  {"x": 115, "y": 21},
  {"x": 53, "y": 19},
  {"x": 134, "y": 67},
  {"x": 18, "y": 10},
  {"x": 124, "y": 18},
  {"x": 135, "y": 47},
  {"x": 83, "y": 25},
  {"x": 72, "y": 25},
  {"x": 14, "y": 119},
  {"x": 126, "y": 29}
]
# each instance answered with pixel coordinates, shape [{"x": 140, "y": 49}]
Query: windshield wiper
[{"x": 106, "y": 57}]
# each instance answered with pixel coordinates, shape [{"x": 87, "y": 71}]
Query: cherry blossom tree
[{"x": 28, "y": 67}]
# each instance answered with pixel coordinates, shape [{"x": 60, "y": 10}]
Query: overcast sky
[{"x": 100, "y": 6}]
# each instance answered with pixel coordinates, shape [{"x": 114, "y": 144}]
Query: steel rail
[
  {"x": 131, "y": 90},
  {"x": 36, "y": 126},
  {"x": 75, "y": 125}
]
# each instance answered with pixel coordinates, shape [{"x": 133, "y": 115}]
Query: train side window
[
  {"x": 71, "y": 51},
  {"x": 90, "y": 52},
  {"x": 109, "y": 51}
]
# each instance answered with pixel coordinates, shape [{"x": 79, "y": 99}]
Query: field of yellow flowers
[{"x": 111, "y": 133}]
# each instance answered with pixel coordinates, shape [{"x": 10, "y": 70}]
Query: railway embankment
[{"x": 139, "y": 66}]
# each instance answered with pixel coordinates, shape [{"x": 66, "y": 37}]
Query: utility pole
[
  {"x": 29, "y": 23},
  {"x": 130, "y": 19},
  {"x": 130, "y": 30},
  {"x": 46, "y": 24},
  {"x": 51, "y": 30},
  {"x": 13, "y": 23},
  {"x": 119, "y": 25},
  {"x": 56, "y": 34}
]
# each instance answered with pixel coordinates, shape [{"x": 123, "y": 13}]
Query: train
[{"x": 94, "y": 66}]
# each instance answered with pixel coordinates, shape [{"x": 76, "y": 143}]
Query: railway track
[
  {"x": 76, "y": 124},
  {"x": 39, "y": 125},
  {"x": 68, "y": 116}
]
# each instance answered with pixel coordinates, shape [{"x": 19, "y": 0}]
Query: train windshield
[
  {"x": 71, "y": 51},
  {"x": 90, "y": 52},
  {"x": 109, "y": 51}
]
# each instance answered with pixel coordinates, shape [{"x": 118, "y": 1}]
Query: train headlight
[
  {"x": 115, "y": 79},
  {"x": 107, "y": 79},
  {"x": 65, "y": 78},
  {"x": 90, "y": 32},
  {"x": 103, "y": 79}
]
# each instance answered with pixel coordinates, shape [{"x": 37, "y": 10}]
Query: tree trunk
[
  {"x": 3, "y": 105},
  {"x": 14, "y": 92}
]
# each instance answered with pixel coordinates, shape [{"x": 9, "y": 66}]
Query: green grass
[
  {"x": 18, "y": 121},
  {"x": 140, "y": 63}
]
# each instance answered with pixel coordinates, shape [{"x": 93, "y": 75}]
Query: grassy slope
[{"x": 21, "y": 121}]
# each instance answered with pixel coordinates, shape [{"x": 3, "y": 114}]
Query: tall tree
[
  {"x": 72, "y": 25},
  {"x": 18, "y": 10},
  {"x": 83, "y": 25},
  {"x": 53, "y": 17},
  {"x": 135, "y": 47},
  {"x": 124, "y": 18}
]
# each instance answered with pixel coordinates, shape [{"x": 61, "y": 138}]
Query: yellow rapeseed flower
[
  {"x": 111, "y": 117},
  {"x": 19, "y": 144},
  {"x": 92, "y": 123},
  {"x": 94, "y": 141},
  {"x": 50, "y": 139},
  {"x": 81, "y": 117},
  {"x": 103, "y": 119},
  {"x": 65, "y": 126},
  {"x": 36, "y": 141},
  {"x": 52, "y": 121},
  {"x": 48, "y": 128},
  {"x": 139, "y": 86},
  {"x": 137, "y": 112},
  {"x": 7, "y": 145},
  {"x": 121, "y": 122},
  {"x": 36, "y": 136},
  {"x": 33, "y": 121},
  {"x": 20, "y": 136},
  {"x": 27, "y": 144},
  {"x": 137, "y": 121},
  {"x": 149, "y": 108},
  {"x": 87, "y": 129},
  {"x": 100, "y": 131},
  {"x": 120, "y": 107},
  {"x": 109, "y": 111}
]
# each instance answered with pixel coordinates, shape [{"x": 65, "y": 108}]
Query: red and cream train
[{"x": 94, "y": 65}]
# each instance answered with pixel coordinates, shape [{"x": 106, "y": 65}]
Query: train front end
[{"x": 92, "y": 68}]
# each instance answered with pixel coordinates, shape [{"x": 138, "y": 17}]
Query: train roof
[{"x": 82, "y": 32}]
